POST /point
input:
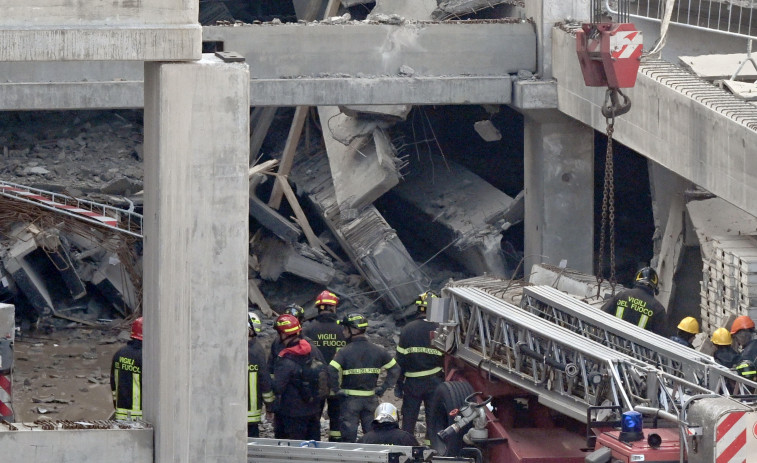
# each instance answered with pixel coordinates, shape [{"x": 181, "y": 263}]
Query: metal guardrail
[
  {"x": 568, "y": 372},
  {"x": 672, "y": 358},
  {"x": 123, "y": 221},
  {"x": 734, "y": 17}
]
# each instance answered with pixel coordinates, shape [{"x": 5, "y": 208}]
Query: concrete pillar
[
  {"x": 545, "y": 14},
  {"x": 195, "y": 259},
  {"x": 559, "y": 187}
]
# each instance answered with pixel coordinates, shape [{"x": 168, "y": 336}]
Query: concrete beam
[
  {"x": 195, "y": 259},
  {"x": 674, "y": 127},
  {"x": 147, "y": 30},
  {"x": 365, "y": 49}
]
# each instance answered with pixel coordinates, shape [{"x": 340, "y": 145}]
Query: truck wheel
[{"x": 447, "y": 397}]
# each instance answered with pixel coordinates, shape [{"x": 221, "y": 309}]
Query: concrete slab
[
  {"x": 364, "y": 169},
  {"x": 582, "y": 285},
  {"x": 445, "y": 213},
  {"x": 277, "y": 257},
  {"x": 716, "y": 217},
  {"x": 269, "y": 218},
  {"x": 26, "y": 276},
  {"x": 371, "y": 244},
  {"x": 149, "y": 30},
  {"x": 84, "y": 445},
  {"x": 534, "y": 94},
  {"x": 416, "y": 9},
  {"x": 719, "y": 67},
  {"x": 363, "y": 49},
  {"x": 745, "y": 90},
  {"x": 395, "y": 112},
  {"x": 112, "y": 280}
]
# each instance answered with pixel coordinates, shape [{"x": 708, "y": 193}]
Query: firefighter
[
  {"x": 354, "y": 374},
  {"x": 276, "y": 346},
  {"x": 294, "y": 418},
  {"x": 327, "y": 336},
  {"x": 638, "y": 304},
  {"x": 742, "y": 331},
  {"x": 258, "y": 379},
  {"x": 724, "y": 353},
  {"x": 126, "y": 376},
  {"x": 386, "y": 430},
  {"x": 687, "y": 329},
  {"x": 420, "y": 366}
]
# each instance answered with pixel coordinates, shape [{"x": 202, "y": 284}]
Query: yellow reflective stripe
[
  {"x": 358, "y": 392},
  {"x": 334, "y": 364},
  {"x": 269, "y": 397},
  {"x": 362, "y": 371},
  {"x": 126, "y": 414},
  {"x": 401, "y": 350},
  {"x": 417, "y": 374},
  {"x": 643, "y": 321},
  {"x": 619, "y": 311},
  {"x": 335, "y": 433},
  {"x": 389, "y": 365},
  {"x": 253, "y": 395},
  {"x": 421, "y": 350},
  {"x": 136, "y": 392}
]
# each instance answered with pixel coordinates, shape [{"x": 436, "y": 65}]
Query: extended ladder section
[
  {"x": 261, "y": 450},
  {"x": 566, "y": 371},
  {"x": 120, "y": 220},
  {"x": 667, "y": 355}
]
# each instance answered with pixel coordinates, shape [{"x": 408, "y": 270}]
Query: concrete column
[
  {"x": 559, "y": 187},
  {"x": 545, "y": 14},
  {"x": 195, "y": 259}
]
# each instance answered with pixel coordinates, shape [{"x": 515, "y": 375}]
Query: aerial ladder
[
  {"x": 524, "y": 387},
  {"x": 667, "y": 355}
]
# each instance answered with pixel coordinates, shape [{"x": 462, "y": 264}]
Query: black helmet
[
  {"x": 355, "y": 320},
  {"x": 746, "y": 369},
  {"x": 295, "y": 310},
  {"x": 647, "y": 277}
]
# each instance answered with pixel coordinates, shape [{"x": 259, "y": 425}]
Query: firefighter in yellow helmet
[
  {"x": 638, "y": 304},
  {"x": 724, "y": 353},
  {"x": 354, "y": 373},
  {"x": 687, "y": 329},
  {"x": 420, "y": 365}
]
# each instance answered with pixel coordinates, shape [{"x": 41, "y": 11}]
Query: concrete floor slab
[{"x": 719, "y": 67}]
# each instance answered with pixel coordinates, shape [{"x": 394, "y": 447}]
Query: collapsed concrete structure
[{"x": 197, "y": 191}]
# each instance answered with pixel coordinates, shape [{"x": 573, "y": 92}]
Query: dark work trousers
[
  {"x": 297, "y": 427},
  {"x": 415, "y": 391},
  {"x": 333, "y": 404},
  {"x": 354, "y": 410},
  {"x": 253, "y": 430}
]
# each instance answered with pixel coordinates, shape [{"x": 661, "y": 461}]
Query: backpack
[{"x": 314, "y": 380}]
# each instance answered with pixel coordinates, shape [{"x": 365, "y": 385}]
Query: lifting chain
[{"x": 610, "y": 110}]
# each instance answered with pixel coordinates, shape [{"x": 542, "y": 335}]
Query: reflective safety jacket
[
  {"x": 325, "y": 334},
  {"x": 356, "y": 368},
  {"x": 638, "y": 306},
  {"x": 126, "y": 381},
  {"x": 749, "y": 353},
  {"x": 415, "y": 355},
  {"x": 258, "y": 381}
]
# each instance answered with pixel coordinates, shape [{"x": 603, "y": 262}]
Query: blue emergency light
[{"x": 631, "y": 426}]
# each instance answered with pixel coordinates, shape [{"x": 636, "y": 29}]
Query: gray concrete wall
[
  {"x": 82, "y": 446},
  {"x": 669, "y": 127},
  {"x": 195, "y": 260},
  {"x": 545, "y": 14}
]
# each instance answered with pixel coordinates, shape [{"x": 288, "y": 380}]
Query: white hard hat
[{"x": 385, "y": 413}]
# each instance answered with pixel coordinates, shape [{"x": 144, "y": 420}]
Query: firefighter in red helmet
[
  {"x": 126, "y": 376},
  {"x": 325, "y": 334},
  {"x": 295, "y": 418}
]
